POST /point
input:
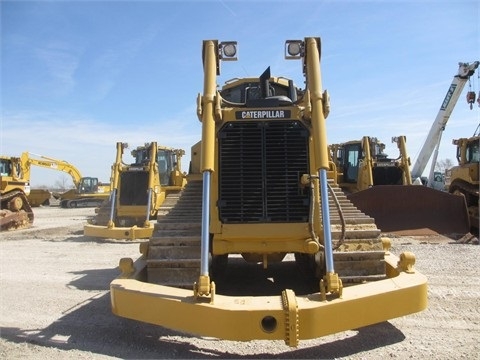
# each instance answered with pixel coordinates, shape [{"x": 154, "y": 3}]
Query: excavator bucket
[{"x": 414, "y": 210}]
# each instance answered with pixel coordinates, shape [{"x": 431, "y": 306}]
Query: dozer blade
[
  {"x": 414, "y": 210},
  {"x": 289, "y": 317},
  {"x": 11, "y": 220}
]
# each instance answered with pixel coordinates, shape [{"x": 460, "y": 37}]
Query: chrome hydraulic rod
[
  {"x": 322, "y": 173},
  {"x": 149, "y": 203},
  {"x": 113, "y": 196},
  {"x": 205, "y": 240}
]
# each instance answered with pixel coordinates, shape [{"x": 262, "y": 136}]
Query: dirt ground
[{"x": 55, "y": 304}]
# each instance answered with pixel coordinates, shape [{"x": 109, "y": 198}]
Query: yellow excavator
[
  {"x": 138, "y": 191},
  {"x": 88, "y": 192},
  {"x": 464, "y": 178},
  {"x": 262, "y": 243},
  {"x": 15, "y": 209},
  {"x": 382, "y": 188}
]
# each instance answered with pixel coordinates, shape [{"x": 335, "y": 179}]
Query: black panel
[
  {"x": 133, "y": 188},
  {"x": 260, "y": 166},
  {"x": 387, "y": 175}
]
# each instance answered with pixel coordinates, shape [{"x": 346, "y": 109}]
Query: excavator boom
[{"x": 88, "y": 192}]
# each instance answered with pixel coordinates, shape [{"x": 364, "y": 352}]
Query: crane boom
[{"x": 465, "y": 70}]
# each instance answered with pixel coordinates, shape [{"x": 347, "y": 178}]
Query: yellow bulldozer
[
  {"x": 138, "y": 191},
  {"x": 382, "y": 188},
  {"x": 262, "y": 206},
  {"x": 463, "y": 179},
  {"x": 15, "y": 209},
  {"x": 88, "y": 191},
  {"x": 363, "y": 163}
]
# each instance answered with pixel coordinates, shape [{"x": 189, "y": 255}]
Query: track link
[
  {"x": 358, "y": 249},
  {"x": 173, "y": 257},
  {"x": 471, "y": 194}
]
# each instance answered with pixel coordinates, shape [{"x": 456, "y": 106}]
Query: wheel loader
[
  {"x": 15, "y": 211},
  {"x": 262, "y": 243},
  {"x": 382, "y": 188},
  {"x": 139, "y": 189},
  {"x": 464, "y": 178}
]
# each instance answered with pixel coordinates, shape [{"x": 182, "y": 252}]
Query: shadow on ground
[{"x": 90, "y": 326}]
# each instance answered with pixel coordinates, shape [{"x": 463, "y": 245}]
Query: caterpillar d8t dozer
[
  {"x": 363, "y": 163},
  {"x": 249, "y": 249},
  {"x": 15, "y": 209},
  {"x": 382, "y": 188},
  {"x": 139, "y": 189}
]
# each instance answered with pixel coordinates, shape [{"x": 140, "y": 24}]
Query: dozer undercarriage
[
  {"x": 83, "y": 202},
  {"x": 470, "y": 194},
  {"x": 173, "y": 253},
  {"x": 15, "y": 211}
]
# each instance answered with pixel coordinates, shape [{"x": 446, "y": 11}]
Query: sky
[{"x": 79, "y": 76}]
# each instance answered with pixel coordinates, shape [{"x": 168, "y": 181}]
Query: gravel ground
[{"x": 55, "y": 304}]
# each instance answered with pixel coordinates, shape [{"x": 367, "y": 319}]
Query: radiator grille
[
  {"x": 260, "y": 166},
  {"x": 133, "y": 188}
]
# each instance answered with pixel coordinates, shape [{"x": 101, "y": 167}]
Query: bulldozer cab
[
  {"x": 12, "y": 175},
  {"x": 349, "y": 156},
  {"x": 471, "y": 149},
  {"x": 167, "y": 161},
  {"x": 5, "y": 167}
]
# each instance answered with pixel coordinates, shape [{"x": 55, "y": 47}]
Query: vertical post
[
  {"x": 368, "y": 163},
  {"x": 152, "y": 170},
  {"x": 402, "y": 146},
  {"x": 115, "y": 178}
]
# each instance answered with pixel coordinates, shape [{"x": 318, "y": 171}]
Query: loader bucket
[{"x": 414, "y": 210}]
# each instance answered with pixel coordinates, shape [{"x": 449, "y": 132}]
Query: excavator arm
[{"x": 46, "y": 162}]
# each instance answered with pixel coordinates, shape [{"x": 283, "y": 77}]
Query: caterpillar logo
[{"x": 263, "y": 114}]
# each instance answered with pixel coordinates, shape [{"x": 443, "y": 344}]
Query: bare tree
[
  {"x": 443, "y": 165},
  {"x": 63, "y": 183}
]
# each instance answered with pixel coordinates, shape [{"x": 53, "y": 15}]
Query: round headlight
[
  {"x": 229, "y": 50},
  {"x": 294, "y": 49}
]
